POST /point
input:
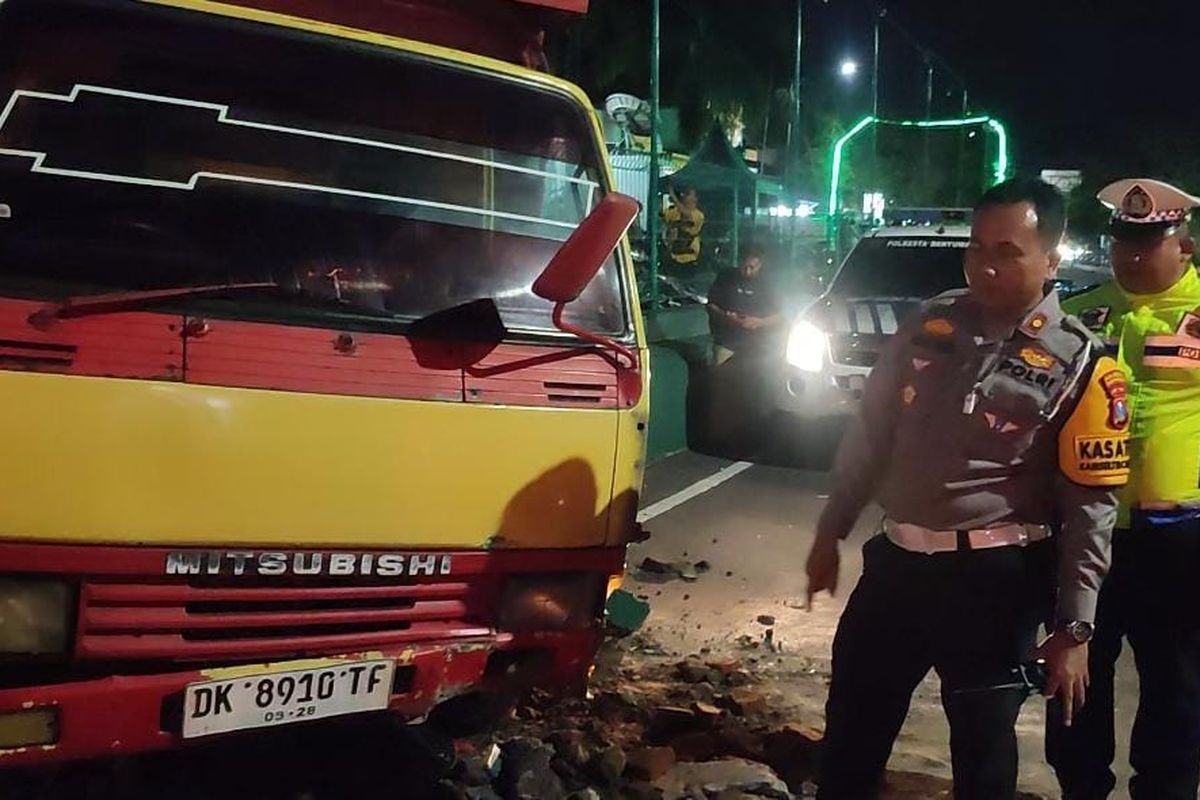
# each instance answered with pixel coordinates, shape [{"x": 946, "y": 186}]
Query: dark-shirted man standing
[{"x": 992, "y": 434}]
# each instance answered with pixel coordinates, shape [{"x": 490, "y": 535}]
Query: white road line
[{"x": 695, "y": 490}]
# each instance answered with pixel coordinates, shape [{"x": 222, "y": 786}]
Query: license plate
[{"x": 268, "y": 699}]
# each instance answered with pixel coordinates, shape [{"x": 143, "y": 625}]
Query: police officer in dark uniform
[{"x": 992, "y": 433}]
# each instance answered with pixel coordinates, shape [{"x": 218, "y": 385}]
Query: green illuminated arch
[{"x": 999, "y": 168}]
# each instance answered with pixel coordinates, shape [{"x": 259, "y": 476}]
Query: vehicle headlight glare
[{"x": 806, "y": 347}]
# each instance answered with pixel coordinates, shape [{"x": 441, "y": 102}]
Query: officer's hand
[
  {"x": 1066, "y": 673},
  {"x": 824, "y": 564}
]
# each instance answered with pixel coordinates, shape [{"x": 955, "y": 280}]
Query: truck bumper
[{"x": 128, "y": 714}]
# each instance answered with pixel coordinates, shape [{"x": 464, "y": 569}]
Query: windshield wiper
[{"x": 113, "y": 302}]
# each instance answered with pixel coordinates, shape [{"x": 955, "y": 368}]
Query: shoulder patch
[
  {"x": 938, "y": 326},
  {"x": 1093, "y": 445},
  {"x": 1037, "y": 357}
]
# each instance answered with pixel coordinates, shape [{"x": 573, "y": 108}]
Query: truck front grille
[{"x": 190, "y": 621}]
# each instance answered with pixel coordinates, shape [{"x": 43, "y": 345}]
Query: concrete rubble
[
  {"x": 702, "y": 727},
  {"x": 693, "y": 728},
  {"x": 653, "y": 726}
]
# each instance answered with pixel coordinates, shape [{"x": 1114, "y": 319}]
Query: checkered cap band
[{"x": 1169, "y": 215}]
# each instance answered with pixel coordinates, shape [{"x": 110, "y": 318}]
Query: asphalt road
[{"x": 755, "y": 530}]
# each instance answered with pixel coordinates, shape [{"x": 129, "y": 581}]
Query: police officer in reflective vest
[
  {"x": 992, "y": 433},
  {"x": 1149, "y": 318}
]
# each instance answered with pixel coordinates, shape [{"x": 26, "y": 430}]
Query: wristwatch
[{"x": 1078, "y": 630}]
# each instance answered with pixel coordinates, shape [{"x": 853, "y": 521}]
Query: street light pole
[
  {"x": 928, "y": 88},
  {"x": 879, "y": 12},
  {"x": 928, "y": 177},
  {"x": 653, "y": 202},
  {"x": 875, "y": 67},
  {"x": 794, "y": 149},
  {"x": 962, "y": 155},
  {"x": 795, "y": 138}
]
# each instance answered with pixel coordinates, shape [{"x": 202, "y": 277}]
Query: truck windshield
[
  {"x": 909, "y": 267},
  {"x": 144, "y": 147}
]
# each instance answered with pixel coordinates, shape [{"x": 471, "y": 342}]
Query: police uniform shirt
[
  {"x": 958, "y": 431},
  {"x": 1156, "y": 340}
]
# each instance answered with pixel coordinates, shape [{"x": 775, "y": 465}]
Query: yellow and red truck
[{"x": 305, "y": 407}]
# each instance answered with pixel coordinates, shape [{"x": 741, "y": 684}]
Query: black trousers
[
  {"x": 1151, "y": 598},
  {"x": 971, "y": 615}
]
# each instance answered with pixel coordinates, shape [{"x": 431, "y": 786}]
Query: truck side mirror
[
  {"x": 575, "y": 265},
  {"x": 584, "y": 252}
]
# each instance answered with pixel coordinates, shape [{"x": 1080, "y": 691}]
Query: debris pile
[
  {"x": 700, "y": 728},
  {"x": 696, "y": 729}
]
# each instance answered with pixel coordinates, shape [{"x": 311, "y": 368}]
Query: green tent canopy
[{"x": 714, "y": 167}]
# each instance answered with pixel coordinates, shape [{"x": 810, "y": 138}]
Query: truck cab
[{"x": 301, "y": 417}]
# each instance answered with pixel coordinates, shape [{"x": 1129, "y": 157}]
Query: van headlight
[
  {"x": 35, "y": 616},
  {"x": 807, "y": 346}
]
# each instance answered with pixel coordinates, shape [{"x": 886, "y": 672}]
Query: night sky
[
  {"x": 1103, "y": 85},
  {"x": 1080, "y": 83}
]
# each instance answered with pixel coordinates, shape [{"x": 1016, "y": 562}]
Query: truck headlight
[
  {"x": 551, "y": 602},
  {"x": 35, "y": 616},
  {"x": 806, "y": 347}
]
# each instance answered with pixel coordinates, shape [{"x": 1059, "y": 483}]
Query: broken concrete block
[
  {"x": 725, "y": 665},
  {"x": 794, "y": 752},
  {"x": 472, "y": 771},
  {"x": 609, "y": 764},
  {"x": 695, "y": 671},
  {"x": 572, "y": 778},
  {"x": 639, "y": 790},
  {"x": 526, "y": 773},
  {"x": 695, "y": 746},
  {"x": 739, "y": 677},
  {"x": 747, "y": 701},
  {"x": 585, "y": 794},
  {"x": 656, "y": 567},
  {"x": 735, "y": 739},
  {"x": 731, "y": 773},
  {"x": 449, "y": 790},
  {"x": 614, "y": 707},
  {"x": 482, "y": 793},
  {"x": 669, "y": 722},
  {"x": 685, "y": 570},
  {"x": 733, "y": 794},
  {"x": 570, "y": 746},
  {"x": 650, "y": 763}
]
